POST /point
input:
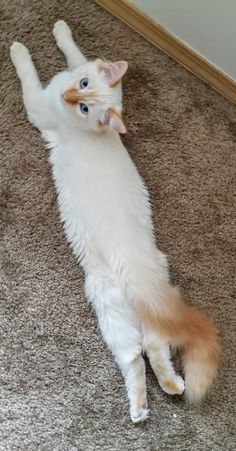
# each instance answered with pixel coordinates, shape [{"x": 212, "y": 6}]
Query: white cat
[{"x": 105, "y": 210}]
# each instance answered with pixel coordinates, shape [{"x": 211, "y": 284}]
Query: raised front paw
[
  {"x": 19, "y": 53},
  {"x": 61, "y": 30}
]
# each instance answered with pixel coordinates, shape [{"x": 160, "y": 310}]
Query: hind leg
[
  {"x": 135, "y": 382},
  {"x": 160, "y": 360},
  {"x": 124, "y": 341},
  {"x": 123, "y": 337}
]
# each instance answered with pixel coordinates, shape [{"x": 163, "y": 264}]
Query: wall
[{"x": 207, "y": 26}]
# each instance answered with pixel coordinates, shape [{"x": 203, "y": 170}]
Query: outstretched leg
[
  {"x": 160, "y": 360},
  {"x": 123, "y": 337},
  {"x": 134, "y": 374},
  {"x": 31, "y": 86},
  {"x": 66, "y": 44}
]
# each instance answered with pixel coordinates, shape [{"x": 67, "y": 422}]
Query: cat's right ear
[{"x": 113, "y": 71}]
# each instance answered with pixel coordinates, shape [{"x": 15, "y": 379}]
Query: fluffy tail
[{"x": 186, "y": 328}]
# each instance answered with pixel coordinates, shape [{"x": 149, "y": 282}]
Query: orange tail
[{"x": 189, "y": 329}]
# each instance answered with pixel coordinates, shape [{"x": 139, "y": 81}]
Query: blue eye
[
  {"x": 83, "y": 83},
  {"x": 84, "y": 108}
]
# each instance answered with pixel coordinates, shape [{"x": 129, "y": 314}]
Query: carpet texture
[{"x": 60, "y": 388}]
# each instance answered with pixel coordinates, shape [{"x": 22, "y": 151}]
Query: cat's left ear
[
  {"x": 113, "y": 71},
  {"x": 113, "y": 121}
]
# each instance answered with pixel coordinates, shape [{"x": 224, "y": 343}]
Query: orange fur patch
[
  {"x": 73, "y": 96},
  {"x": 116, "y": 83},
  {"x": 117, "y": 114},
  {"x": 112, "y": 111},
  {"x": 101, "y": 65},
  {"x": 141, "y": 397},
  {"x": 171, "y": 386},
  {"x": 189, "y": 329}
]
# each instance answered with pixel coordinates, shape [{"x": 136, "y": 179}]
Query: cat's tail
[{"x": 189, "y": 329}]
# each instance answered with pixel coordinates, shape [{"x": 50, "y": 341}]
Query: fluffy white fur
[{"x": 105, "y": 210}]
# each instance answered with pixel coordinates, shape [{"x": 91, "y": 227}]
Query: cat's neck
[
  {"x": 69, "y": 131},
  {"x": 96, "y": 138}
]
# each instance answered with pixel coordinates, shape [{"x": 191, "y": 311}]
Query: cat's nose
[{"x": 72, "y": 95}]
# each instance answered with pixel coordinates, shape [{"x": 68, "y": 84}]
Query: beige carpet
[{"x": 60, "y": 389}]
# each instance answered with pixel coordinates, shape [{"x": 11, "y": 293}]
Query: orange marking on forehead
[{"x": 73, "y": 96}]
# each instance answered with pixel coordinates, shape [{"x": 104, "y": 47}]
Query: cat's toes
[
  {"x": 61, "y": 30},
  {"x": 173, "y": 385},
  {"x": 139, "y": 416},
  {"x": 18, "y": 52}
]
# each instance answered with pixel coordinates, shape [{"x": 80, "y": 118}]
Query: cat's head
[{"x": 94, "y": 95}]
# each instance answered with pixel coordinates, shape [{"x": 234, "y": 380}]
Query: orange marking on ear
[
  {"x": 116, "y": 83},
  {"x": 102, "y": 65},
  {"x": 112, "y": 111}
]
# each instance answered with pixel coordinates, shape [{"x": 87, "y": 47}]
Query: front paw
[
  {"x": 19, "y": 53},
  {"x": 61, "y": 30}
]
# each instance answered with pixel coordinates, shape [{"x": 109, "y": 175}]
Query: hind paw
[
  {"x": 142, "y": 415},
  {"x": 173, "y": 385}
]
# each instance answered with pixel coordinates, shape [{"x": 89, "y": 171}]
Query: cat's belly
[
  {"x": 105, "y": 208},
  {"x": 101, "y": 221},
  {"x": 107, "y": 235}
]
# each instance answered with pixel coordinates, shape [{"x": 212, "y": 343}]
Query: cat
[{"x": 104, "y": 206}]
